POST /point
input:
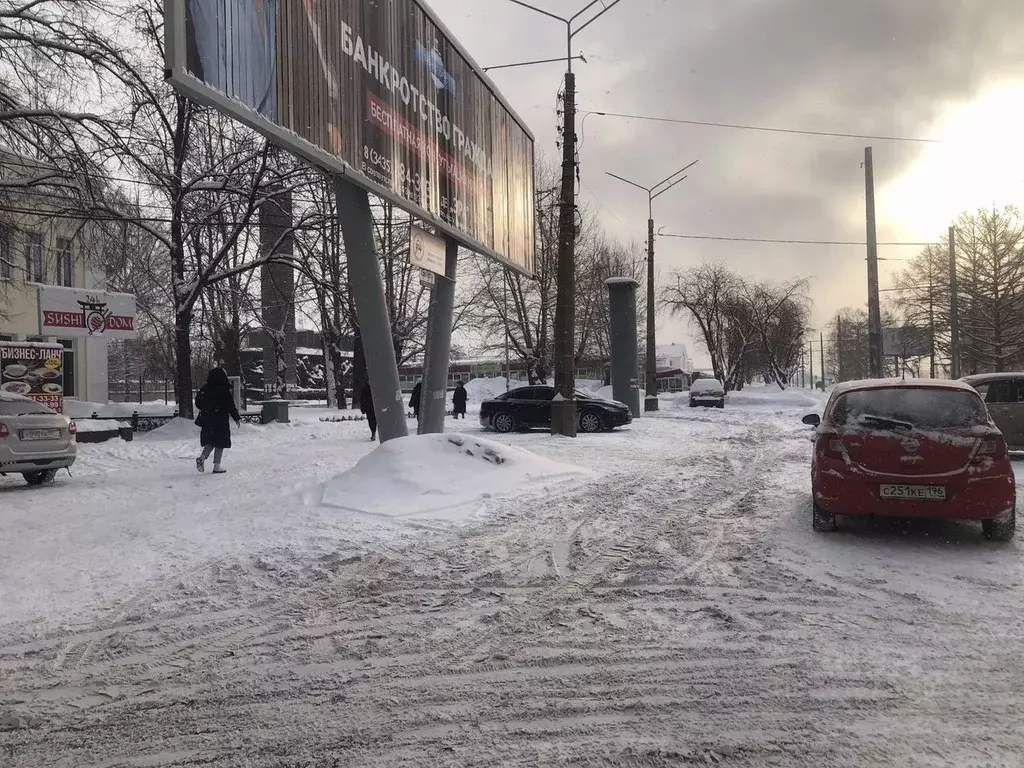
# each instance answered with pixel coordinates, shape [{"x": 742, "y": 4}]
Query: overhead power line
[
  {"x": 765, "y": 129},
  {"x": 782, "y": 241}
]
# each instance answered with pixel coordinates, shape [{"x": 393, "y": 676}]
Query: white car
[
  {"x": 707, "y": 392},
  {"x": 35, "y": 440}
]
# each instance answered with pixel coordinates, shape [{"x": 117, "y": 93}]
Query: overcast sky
[{"x": 944, "y": 69}]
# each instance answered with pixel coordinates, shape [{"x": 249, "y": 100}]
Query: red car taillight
[
  {"x": 830, "y": 446},
  {"x": 991, "y": 447},
  {"x": 72, "y": 428},
  {"x": 3, "y": 431}
]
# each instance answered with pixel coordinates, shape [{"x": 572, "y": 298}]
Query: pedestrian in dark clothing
[
  {"x": 414, "y": 401},
  {"x": 216, "y": 404},
  {"x": 459, "y": 398},
  {"x": 366, "y": 406}
]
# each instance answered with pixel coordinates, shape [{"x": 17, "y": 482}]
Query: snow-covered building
[
  {"x": 43, "y": 243},
  {"x": 674, "y": 357}
]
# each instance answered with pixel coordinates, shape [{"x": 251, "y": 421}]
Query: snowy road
[{"x": 677, "y": 611}]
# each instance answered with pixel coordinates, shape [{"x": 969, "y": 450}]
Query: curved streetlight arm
[
  {"x": 540, "y": 10},
  {"x": 536, "y": 61},
  {"x": 631, "y": 183},
  {"x": 666, "y": 189},
  {"x": 669, "y": 178},
  {"x": 595, "y": 18}
]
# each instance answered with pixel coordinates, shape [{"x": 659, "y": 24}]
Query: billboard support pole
[
  {"x": 439, "y": 345},
  {"x": 356, "y": 222}
]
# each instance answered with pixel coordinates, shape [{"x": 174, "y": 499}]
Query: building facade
[{"x": 41, "y": 243}]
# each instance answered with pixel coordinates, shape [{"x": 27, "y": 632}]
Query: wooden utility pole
[
  {"x": 839, "y": 347},
  {"x": 954, "y": 310},
  {"x": 563, "y": 409},
  {"x": 874, "y": 308}
]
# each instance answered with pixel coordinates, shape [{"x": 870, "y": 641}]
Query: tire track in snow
[{"x": 714, "y": 647}]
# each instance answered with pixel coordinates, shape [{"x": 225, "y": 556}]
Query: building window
[
  {"x": 35, "y": 266},
  {"x": 65, "y": 263},
  {"x": 6, "y": 268}
]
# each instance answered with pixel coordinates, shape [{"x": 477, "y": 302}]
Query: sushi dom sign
[{"x": 71, "y": 312}]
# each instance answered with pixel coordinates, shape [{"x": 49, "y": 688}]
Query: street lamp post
[
  {"x": 651, "y": 398},
  {"x": 563, "y": 409}
]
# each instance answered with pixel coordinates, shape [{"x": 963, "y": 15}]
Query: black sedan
[{"x": 528, "y": 407}]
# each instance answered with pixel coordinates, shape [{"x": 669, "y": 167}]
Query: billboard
[
  {"x": 33, "y": 370},
  {"x": 907, "y": 342},
  {"x": 378, "y": 91},
  {"x": 74, "y": 312}
]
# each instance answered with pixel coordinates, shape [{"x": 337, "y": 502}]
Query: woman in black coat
[
  {"x": 459, "y": 398},
  {"x": 366, "y": 406},
  {"x": 414, "y": 399},
  {"x": 216, "y": 404}
]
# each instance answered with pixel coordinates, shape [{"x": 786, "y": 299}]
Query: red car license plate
[{"x": 914, "y": 492}]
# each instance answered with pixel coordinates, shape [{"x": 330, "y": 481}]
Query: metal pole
[
  {"x": 356, "y": 223},
  {"x": 874, "y": 308},
  {"x": 651, "y": 397},
  {"x": 563, "y": 409},
  {"x": 954, "y": 309},
  {"x": 439, "y": 345},
  {"x": 810, "y": 351},
  {"x": 822, "y": 351},
  {"x": 622, "y": 305},
  {"x": 508, "y": 363}
]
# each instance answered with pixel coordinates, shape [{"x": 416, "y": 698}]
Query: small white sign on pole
[
  {"x": 426, "y": 251},
  {"x": 426, "y": 279}
]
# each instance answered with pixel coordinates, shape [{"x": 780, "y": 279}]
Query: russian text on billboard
[{"x": 379, "y": 88}]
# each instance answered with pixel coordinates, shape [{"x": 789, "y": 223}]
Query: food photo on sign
[{"x": 33, "y": 370}]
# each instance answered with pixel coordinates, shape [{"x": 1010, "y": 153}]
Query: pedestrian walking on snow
[
  {"x": 459, "y": 399},
  {"x": 366, "y": 406},
  {"x": 216, "y": 405},
  {"x": 414, "y": 400}
]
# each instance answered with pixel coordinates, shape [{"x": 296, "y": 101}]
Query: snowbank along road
[{"x": 676, "y": 611}]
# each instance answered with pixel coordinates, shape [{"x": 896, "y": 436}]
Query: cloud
[{"x": 890, "y": 67}]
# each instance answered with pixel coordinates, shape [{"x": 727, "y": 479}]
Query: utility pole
[
  {"x": 821, "y": 341},
  {"x": 651, "y": 366},
  {"x": 839, "y": 347},
  {"x": 874, "y": 308},
  {"x": 563, "y": 408},
  {"x": 810, "y": 351},
  {"x": 803, "y": 368},
  {"x": 931, "y": 316},
  {"x": 954, "y": 310}
]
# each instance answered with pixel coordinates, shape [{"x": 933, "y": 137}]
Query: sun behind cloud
[{"x": 979, "y": 162}]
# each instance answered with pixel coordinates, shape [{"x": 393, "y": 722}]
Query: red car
[{"x": 917, "y": 448}]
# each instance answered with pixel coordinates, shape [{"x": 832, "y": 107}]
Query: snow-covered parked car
[
  {"x": 35, "y": 440},
  {"x": 707, "y": 392},
  {"x": 916, "y": 448}
]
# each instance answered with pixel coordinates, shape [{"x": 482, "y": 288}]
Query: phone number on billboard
[{"x": 412, "y": 185}]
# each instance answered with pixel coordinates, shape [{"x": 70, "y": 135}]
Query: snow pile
[
  {"x": 443, "y": 478},
  {"x": 175, "y": 429},
  {"x": 607, "y": 393},
  {"x": 773, "y": 396},
  {"x": 486, "y": 389},
  {"x": 97, "y": 425},
  {"x": 80, "y": 409}
]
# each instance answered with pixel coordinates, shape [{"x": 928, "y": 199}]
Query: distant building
[
  {"x": 674, "y": 356},
  {"x": 45, "y": 242}
]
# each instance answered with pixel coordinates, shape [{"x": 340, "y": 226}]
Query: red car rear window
[{"x": 920, "y": 407}]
